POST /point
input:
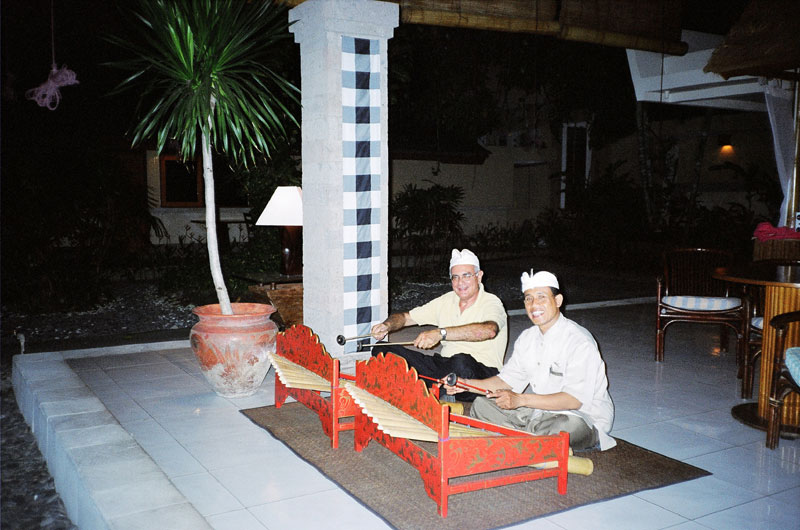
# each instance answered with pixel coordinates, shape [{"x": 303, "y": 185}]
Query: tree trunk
[
  {"x": 645, "y": 167},
  {"x": 211, "y": 229},
  {"x": 700, "y": 157}
]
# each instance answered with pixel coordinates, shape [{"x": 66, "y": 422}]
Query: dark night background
[{"x": 69, "y": 175}]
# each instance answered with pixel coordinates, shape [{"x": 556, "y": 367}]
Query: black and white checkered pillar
[{"x": 345, "y": 165}]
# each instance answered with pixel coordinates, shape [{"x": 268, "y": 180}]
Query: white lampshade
[{"x": 285, "y": 208}]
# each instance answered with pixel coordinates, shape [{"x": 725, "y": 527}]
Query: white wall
[{"x": 495, "y": 191}]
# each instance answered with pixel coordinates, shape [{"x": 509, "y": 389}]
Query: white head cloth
[
  {"x": 540, "y": 279},
  {"x": 465, "y": 257}
]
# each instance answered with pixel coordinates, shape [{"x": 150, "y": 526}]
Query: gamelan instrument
[
  {"x": 396, "y": 410},
  {"x": 305, "y": 371},
  {"x": 392, "y": 406}
]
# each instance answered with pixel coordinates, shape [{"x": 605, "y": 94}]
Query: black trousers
[{"x": 463, "y": 365}]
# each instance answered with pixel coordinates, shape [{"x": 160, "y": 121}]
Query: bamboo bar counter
[{"x": 782, "y": 295}]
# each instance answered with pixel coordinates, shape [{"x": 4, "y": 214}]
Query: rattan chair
[
  {"x": 687, "y": 292},
  {"x": 785, "y": 375},
  {"x": 754, "y": 333}
]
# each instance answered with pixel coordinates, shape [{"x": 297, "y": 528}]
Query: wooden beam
[
  {"x": 539, "y": 17},
  {"x": 623, "y": 40},
  {"x": 415, "y": 15}
]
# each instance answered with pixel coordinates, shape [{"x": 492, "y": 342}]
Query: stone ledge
[{"x": 105, "y": 479}]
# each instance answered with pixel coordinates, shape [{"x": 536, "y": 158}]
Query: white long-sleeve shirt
[{"x": 564, "y": 359}]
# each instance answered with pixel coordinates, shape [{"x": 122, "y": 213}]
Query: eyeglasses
[{"x": 466, "y": 276}]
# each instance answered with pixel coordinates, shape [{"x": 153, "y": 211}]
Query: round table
[{"x": 781, "y": 281}]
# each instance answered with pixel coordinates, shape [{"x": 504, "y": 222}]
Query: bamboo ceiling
[
  {"x": 764, "y": 42},
  {"x": 650, "y": 25}
]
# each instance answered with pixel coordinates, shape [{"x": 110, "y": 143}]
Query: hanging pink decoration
[{"x": 48, "y": 94}]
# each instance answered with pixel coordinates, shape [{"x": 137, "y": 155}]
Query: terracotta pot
[{"x": 232, "y": 349}]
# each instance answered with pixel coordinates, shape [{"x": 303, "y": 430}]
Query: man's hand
[
  {"x": 506, "y": 399},
  {"x": 453, "y": 389},
  {"x": 394, "y": 322},
  {"x": 428, "y": 339},
  {"x": 379, "y": 331}
]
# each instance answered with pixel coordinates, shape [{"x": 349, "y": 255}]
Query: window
[
  {"x": 575, "y": 162},
  {"x": 181, "y": 182}
]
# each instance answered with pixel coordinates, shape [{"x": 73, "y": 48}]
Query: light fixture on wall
[
  {"x": 285, "y": 209},
  {"x": 725, "y": 145}
]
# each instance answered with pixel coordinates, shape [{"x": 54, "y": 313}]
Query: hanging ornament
[{"x": 48, "y": 94}]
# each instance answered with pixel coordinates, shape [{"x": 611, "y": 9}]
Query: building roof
[{"x": 764, "y": 42}]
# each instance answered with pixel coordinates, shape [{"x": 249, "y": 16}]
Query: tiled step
[{"x": 104, "y": 477}]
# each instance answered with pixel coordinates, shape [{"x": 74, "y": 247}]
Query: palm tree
[{"x": 203, "y": 69}]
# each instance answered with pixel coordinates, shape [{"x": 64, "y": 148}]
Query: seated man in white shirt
[
  {"x": 471, "y": 325},
  {"x": 560, "y": 361}
]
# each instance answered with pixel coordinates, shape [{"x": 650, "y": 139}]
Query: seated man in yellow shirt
[{"x": 471, "y": 325}]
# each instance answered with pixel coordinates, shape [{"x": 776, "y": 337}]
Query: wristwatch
[{"x": 444, "y": 333}]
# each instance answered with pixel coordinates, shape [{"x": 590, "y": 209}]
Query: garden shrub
[
  {"x": 609, "y": 226},
  {"x": 68, "y": 231},
  {"x": 426, "y": 225}
]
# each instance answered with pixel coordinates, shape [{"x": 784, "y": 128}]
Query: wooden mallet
[
  {"x": 451, "y": 379},
  {"x": 340, "y": 340},
  {"x": 361, "y": 347}
]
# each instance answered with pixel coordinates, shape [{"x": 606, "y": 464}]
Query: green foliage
[
  {"x": 729, "y": 228},
  {"x": 260, "y": 253},
  {"x": 204, "y": 69},
  {"x": 70, "y": 229},
  {"x": 760, "y": 186},
  {"x": 490, "y": 239},
  {"x": 184, "y": 271},
  {"x": 450, "y": 86},
  {"x": 494, "y": 240},
  {"x": 609, "y": 224},
  {"x": 259, "y": 181},
  {"x": 426, "y": 225},
  {"x": 438, "y": 103},
  {"x": 602, "y": 224},
  {"x": 209, "y": 67}
]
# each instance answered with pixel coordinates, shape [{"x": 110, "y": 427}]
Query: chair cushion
[
  {"x": 757, "y": 322},
  {"x": 793, "y": 362},
  {"x": 702, "y": 303}
]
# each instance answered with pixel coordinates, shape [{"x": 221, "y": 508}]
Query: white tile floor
[{"x": 238, "y": 477}]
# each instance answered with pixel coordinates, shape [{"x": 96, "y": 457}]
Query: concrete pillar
[{"x": 345, "y": 165}]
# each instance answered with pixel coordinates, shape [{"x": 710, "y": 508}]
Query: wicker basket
[
  {"x": 287, "y": 299},
  {"x": 776, "y": 249}
]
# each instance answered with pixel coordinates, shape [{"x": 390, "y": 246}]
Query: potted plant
[{"x": 203, "y": 72}]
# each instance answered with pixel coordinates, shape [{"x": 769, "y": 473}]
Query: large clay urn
[{"x": 232, "y": 349}]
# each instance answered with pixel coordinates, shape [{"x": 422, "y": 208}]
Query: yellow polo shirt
[{"x": 444, "y": 312}]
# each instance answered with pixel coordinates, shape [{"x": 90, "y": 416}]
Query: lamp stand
[{"x": 292, "y": 250}]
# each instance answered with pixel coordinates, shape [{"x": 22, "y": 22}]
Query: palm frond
[{"x": 200, "y": 59}]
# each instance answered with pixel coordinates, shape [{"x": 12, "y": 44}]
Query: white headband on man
[
  {"x": 540, "y": 279},
  {"x": 465, "y": 257}
]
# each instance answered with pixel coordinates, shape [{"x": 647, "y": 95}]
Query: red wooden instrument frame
[
  {"x": 301, "y": 346},
  {"x": 389, "y": 378}
]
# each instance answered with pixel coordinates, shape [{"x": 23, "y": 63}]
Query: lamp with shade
[{"x": 285, "y": 209}]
